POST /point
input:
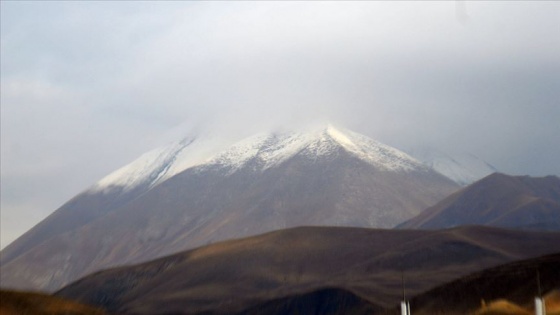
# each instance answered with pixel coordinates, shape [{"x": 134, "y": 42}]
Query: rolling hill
[{"x": 286, "y": 270}]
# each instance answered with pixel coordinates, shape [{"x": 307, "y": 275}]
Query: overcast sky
[{"x": 88, "y": 86}]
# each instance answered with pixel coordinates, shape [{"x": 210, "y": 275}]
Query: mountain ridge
[{"x": 280, "y": 146}]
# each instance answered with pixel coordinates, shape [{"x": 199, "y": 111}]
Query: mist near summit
[{"x": 89, "y": 86}]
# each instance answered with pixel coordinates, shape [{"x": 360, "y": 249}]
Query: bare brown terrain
[
  {"x": 31, "y": 303},
  {"x": 294, "y": 269}
]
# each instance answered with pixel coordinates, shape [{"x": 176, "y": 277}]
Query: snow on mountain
[
  {"x": 151, "y": 167},
  {"x": 376, "y": 153},
  {"x": 160, "y": 164},
  {"x": 462, "y": 167},
  {"x": 268, "y": 149}
]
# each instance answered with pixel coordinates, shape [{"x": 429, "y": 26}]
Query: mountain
[
  {"x": 175, "y": 198},
  {"x": 515, "y": 282},
  {"x": 497, "y": 200},
  {"x": 294, "y": 269},
  {"x": 462, "y": 167}
]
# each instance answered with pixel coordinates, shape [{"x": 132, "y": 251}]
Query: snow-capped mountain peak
[
  {"x": 204, "y": 190},
  {"x": 269, "y": 150},
  {"x": 266, "y": 150},
  {"x": 374, "y": 152}
]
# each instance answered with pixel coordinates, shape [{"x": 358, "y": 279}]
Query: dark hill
[
  {"x": 321, "y": 302},
  {"x": 497, "y": 200}
]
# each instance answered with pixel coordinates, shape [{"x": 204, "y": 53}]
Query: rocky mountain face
[
  {"x": 497, "y": 200},
  {"x": 291, "y": 271},
  {"x": 176, "y": 198}
]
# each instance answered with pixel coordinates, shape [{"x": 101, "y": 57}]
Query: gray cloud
[{"x": 88, "y": 86}]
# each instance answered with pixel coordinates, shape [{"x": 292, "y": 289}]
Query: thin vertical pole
[{"x": 539, "y": 306}]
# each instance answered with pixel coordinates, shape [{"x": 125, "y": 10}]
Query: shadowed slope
[{"x": 321, "y": 302}]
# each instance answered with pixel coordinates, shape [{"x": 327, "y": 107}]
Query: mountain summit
[
  {"x": 264, "y": 151},
  {"x": 178, "y": 197}
]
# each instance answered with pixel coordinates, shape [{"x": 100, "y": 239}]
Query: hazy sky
[{"x": 88, "y": 86}]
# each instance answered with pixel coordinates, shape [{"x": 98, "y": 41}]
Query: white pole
[
  {"x": 539, "y": 306},
  {"x": 404, "y": 310},
  {"x": 408, "y": 308}
]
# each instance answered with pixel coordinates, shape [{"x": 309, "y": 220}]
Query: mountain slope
[
  {"x": 497, "y": 200},
  {"x": 277, "y": 267},
  {"x": 267, "y": 182},
  {"x": 113, "y": 191}
]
